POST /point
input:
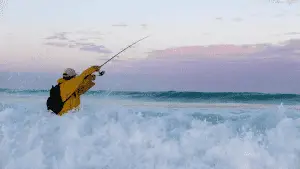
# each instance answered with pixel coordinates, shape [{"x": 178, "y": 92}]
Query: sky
[{"x": 194, "y": 45}]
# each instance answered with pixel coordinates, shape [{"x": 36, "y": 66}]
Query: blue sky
[{"x": 48, "y": 36}]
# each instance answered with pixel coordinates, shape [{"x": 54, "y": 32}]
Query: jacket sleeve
[
  {"x": 86, "y": 85},
  {"x": 71, "y": 86}
]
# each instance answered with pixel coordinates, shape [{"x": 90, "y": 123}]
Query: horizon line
[{"x": 2, "y": 90}]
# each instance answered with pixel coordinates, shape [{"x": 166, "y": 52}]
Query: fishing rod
[
  {"x": 124, "y": 50},
  {"x": 102, "y": 72}
]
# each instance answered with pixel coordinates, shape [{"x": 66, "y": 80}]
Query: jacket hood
[{"x": 61, "y": 80}]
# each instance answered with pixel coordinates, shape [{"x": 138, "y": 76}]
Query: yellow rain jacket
[{"x": 75, "y": 87}]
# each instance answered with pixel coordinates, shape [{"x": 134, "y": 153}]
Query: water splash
[{"x": 115, "y": 136}]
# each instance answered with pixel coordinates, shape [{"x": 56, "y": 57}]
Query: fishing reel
[{"x": 101, "y": 73}]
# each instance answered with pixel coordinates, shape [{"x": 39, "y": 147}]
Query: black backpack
[{"x": 54, "y": 102}]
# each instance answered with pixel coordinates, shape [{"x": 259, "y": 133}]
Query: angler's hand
[{"x": 93, "y": 77}]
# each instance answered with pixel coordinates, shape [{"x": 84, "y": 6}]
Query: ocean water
[{"x": 156, "y": 130}]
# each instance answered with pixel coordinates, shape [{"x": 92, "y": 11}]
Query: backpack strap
[{"x": 68, "y": 97}]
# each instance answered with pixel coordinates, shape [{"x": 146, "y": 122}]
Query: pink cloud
[
  {"x": 187, "y": 58},
  {"x": 211, "y": 50}
]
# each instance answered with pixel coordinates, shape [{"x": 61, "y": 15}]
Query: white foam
[{"x": 114, "y": 136}]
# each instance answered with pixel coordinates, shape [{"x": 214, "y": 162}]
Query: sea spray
[{"x": 116, "y": 133}]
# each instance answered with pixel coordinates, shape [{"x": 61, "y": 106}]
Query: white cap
[{"x": 69, "y": 72}]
